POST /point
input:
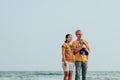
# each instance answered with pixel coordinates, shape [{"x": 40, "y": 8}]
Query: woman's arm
[
  {"x": 63, "y": 53},
  {"x": 63, "y": 56}
]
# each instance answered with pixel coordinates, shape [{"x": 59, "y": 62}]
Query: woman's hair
[{"x": 67, "y": 35}]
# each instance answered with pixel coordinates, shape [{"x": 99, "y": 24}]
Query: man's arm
[
  {"x": 87, "y": 45},
  {"x": 75, "y": 48}
]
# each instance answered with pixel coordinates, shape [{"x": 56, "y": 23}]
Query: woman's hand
[{"x": 65, "y": 64}]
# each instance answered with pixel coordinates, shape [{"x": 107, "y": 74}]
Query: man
[{"x": 81, "y": 60}]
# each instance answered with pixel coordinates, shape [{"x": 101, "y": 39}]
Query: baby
[{"x": 83, "y": 50}]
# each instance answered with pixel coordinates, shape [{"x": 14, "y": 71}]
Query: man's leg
[
  {"x": 77, "y": 70},
  {"x": 84, "y": 70}
]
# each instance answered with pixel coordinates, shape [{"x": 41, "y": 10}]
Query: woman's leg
[
  {"x": 71, "y": 69},
  {"x": 66, "y": 75},
  {"x": 70, "y": 75}
]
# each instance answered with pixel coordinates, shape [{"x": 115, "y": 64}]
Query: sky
[{"x": 32, "y": 32}]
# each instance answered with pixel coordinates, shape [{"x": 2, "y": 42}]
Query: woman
[{"x": 67, "y": 58}]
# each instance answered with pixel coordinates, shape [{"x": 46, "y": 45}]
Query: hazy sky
[{"x": 32, "y": 32}]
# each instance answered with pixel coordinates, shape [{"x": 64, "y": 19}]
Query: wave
[
  {"x": 48, "y": 73},
  {"x": 53, "y": 78},
  {"x": 54, "y": 75}
]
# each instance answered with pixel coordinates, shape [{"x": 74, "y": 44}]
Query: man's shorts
[{"x": 69, "y": 67}]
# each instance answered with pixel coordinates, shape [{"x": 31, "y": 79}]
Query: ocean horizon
[{"x": 56, "y": 75}]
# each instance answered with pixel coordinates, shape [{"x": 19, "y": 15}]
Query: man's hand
[
  {"x": 84, "y": 46},
  {"x": 77, "y": 49}
]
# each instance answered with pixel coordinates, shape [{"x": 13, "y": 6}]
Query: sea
[{"x": 56, "y": 75}]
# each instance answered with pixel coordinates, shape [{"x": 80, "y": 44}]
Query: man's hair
[{"x": 78, "y": 31}]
